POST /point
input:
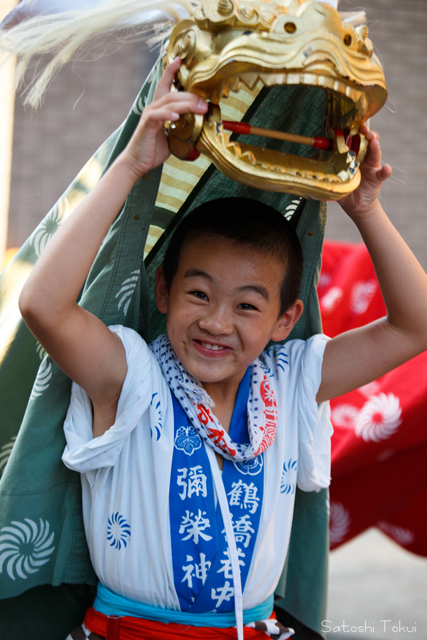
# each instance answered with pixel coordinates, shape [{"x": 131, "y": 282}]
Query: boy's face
[{"x": 223, "y": 308}]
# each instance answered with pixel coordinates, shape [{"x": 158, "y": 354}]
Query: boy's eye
[
  {"x": 247, "y": 307},
  {"x": 199, "y": 294}
]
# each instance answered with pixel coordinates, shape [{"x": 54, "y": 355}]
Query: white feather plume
[
  {"x": 354, "y": 18},
  {"x": 63, "y": 34}
]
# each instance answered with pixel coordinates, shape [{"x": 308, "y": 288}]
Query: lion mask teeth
[
  {"x": 250, "y": 80},
  {"x": 231, "y": 44}
]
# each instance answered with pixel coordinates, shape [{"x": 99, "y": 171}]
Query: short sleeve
[
  {"x": 85, "y": 453},
  {"x": 315, "y": 427}
]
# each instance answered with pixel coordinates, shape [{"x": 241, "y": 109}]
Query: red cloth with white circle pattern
[{"x": 379, "y": 448}]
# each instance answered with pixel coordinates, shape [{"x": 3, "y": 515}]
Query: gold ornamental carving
[{"x": 229, "y": 43}]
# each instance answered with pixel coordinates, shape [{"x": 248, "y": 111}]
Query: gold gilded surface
[{"x": 229, "y": 43}]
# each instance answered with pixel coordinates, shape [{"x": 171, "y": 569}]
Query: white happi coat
[{"x": 126, "y": 473}]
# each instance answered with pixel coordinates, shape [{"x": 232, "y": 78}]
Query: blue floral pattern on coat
[
  {"x": 288, "y": 482},
  {"x": 118, "y": 531}
]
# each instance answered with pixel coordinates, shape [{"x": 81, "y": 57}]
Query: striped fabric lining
[{"x": 179, "y": 177}]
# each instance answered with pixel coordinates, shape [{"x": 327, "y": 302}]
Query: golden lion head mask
[{"x": 231, "y": 42}]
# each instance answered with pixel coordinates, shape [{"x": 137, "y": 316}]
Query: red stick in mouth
[{"x": 245, "y": 128}]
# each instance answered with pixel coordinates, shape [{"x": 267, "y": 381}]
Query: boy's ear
[
  {"x": 161, "y": 291},
  {"x": 286, "y": 323}
]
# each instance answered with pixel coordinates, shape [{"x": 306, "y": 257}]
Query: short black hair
[{"x": 245, "y": 222}]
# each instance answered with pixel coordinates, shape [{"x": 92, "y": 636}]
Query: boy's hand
[
  {"x": 359, "y": 356},
  {"x": 148, "y": 147},
  {"x": 362, "y": 200}
]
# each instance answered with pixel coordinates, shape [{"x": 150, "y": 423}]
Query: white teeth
[
  {"x": 309, "y": 79},
  {"x": 250, "y": 79},
  {"x": 213, "y": 347},
  {"x": 293, "y": 78},
  {"x": 272, "y": 79},
  {"x": 236, "y": 84}
]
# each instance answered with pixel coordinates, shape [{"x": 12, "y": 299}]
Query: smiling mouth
[
  {"x": 305, "y": 44},
  {"x": 212, "y": 348}
]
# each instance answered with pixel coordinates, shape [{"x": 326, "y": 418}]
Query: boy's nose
[{"x": 217, "y": 322}]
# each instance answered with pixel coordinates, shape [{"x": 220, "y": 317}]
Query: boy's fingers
[
  {"x": 173, "y": 111},
  {"x": 371, "y": 135},
  {"x": 384, "y": 173},
  {"x": 373, "y": 157},
  {"x": 190, "y": 105},
  {"x": 183, "y": 97},
  {"x": 164, "y": 86},
  {"x": 177, "y": 103},
  {"x": 164, "y": 94}
]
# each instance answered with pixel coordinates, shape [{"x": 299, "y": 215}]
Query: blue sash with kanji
[{"x": 200, "y": 556}]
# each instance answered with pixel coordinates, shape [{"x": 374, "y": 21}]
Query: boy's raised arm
[
  {"x": 357, "y": 357},
  {"x": 80, "y": 344}
]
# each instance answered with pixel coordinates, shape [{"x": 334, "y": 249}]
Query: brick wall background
[{"x": 88, "y": 100}]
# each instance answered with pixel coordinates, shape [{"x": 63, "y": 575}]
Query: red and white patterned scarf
[{"x": 197, "y": 404}]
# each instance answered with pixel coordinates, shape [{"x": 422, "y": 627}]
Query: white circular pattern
[
  {"x": 126, "y": 291},
  {"x": 50, "y": 224},
  {"x": 25, "y": 547},
  {"x": 386, "y": 454},
  {"x": 325, "y": 280},
  {"x": 344, "y": 415},
  {"x": 43, "y": 377},
  {"x": 292, "y": 207},
  {"x": 5, "y": 452},
  {"x": 361, "y": 296},
  {"x": 370, "y": 389},
  {"x": 339, "y": 523},
  {"x": 42, "y": 353},
  {"x": 379, "y": 418},
  {"x": 331, "y": 299},
  {"x": 139, "y": 105},
  {"x": 402, "y": 535}
]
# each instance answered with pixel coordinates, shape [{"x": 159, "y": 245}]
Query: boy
[{"x": 185, "y": 557}]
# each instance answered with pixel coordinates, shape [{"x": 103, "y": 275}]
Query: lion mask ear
[{"x": 231, "y": 43}]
